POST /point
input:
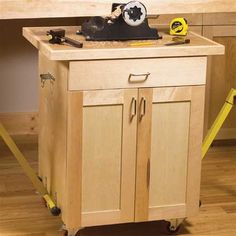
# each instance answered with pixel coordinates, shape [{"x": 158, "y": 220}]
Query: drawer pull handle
[
  {"x": 142, "y": 108},
  {"x": 45, "y": 77},
  {"x": 145, "y": 75},
  {"x": 133, "y": 108}
]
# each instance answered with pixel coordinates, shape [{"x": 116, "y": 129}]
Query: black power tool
[{"x": 126, "y": 22}]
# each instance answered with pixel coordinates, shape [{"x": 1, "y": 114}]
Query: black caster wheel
[
  {"x": 56, "y": 211},
  {"x": 173, "y": 230}
]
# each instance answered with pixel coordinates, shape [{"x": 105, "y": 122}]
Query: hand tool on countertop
[
  {"x": 140, "y": 44},
  {"x": 178, "y": 42},
  {"x": 58, "y": 37},
  {"x": 179, "y": 27}
]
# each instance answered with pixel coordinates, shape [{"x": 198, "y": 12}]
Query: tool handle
[
  {"x": 73, "y": 42},
  {"x": 186, "y": 41}
]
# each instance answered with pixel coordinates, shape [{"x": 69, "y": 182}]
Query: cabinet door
[
  {"x": 108, "y": 154},
  {"x": 169, "y": 152}
]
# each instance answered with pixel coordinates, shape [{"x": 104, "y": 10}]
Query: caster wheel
[
  {"x": 56, "y": 211},
  {"x": 173, "y": 230}
]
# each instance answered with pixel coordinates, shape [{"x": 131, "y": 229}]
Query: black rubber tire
[
  {"x": 173, "y": 232},
  {"x": 56, "y": 211}
]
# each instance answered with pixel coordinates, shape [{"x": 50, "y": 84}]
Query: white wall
[{"x": 18, "y": 65}]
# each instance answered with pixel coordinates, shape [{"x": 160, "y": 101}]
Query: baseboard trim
[{"x": 20, "y": 123}]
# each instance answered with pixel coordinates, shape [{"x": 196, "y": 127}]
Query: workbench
[
  {"x": 18, "y": 9},
  {"x": 121, "y": 127}
]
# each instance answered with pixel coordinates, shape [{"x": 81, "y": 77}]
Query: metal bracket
[
  {"x": 45, "y": 77},
  {"x": 174, "y": 224}
]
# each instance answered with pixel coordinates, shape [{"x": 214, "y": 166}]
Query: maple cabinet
[
  {"x": 121, "y": 130},
  {"x": 140, "y": 139}
]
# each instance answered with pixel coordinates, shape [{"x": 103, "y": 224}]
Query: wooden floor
[{"x": 22, "y": 211}]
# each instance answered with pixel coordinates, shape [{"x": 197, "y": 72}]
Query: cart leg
[{"x": 174, "y": 225}]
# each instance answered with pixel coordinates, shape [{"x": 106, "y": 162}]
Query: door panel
[
  {"x": 108, "y": 156},
  {"x": 102, "y": 153},
  {"x": 169, "y": 153}
]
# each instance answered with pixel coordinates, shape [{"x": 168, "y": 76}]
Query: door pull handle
[
  {"x": 132, "y": 77},
  {"x": 142, "y": 108},
  {"x": 133, "y": 108}
]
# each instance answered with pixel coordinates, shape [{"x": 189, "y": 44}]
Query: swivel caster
[
  {"x": 172, "y": 229},
  {"x": 173, "y": 226}
]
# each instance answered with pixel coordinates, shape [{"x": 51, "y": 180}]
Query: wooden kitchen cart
[{"x": 121, "y": 128}]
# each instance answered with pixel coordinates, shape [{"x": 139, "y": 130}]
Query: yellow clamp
[
  {"x": 49, "y": 201},
  {"x": 219, "y": 121},
  {"x": 28, "y": 170}
]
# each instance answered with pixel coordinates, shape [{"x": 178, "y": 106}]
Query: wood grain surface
[
  {"x": 199, "y": 46},
  {"x": 16, "y": 9},
  {"x": 19, "y": 204}
]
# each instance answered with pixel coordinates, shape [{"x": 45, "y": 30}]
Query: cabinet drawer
[{"x": 136, "y": 73}]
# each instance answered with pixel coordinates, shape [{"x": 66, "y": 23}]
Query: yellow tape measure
[{"x": 179, "y": 26}]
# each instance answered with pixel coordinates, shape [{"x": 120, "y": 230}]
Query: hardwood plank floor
[{"x": 22, "y": 212}]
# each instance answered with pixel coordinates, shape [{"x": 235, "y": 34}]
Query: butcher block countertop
[{"x": 199, "y": 46}]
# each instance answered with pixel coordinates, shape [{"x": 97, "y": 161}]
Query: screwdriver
[{"x": 185, "y": 41}]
